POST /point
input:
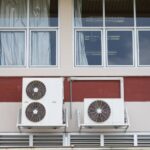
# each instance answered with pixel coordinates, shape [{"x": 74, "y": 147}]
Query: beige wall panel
[{"x": 138, "y": 113}]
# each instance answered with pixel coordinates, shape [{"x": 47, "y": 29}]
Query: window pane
[
  {"x": 120, "y": 48},
  {"x": 88, "y": 48},
  {"x": 12, "y": 48},
  {"x": 144, "y": 47},
  {"x": 13, "y": 13},
  {"x": 119, "y": 13},
  {"x": 88, "y": 13},
  {"x": 143, "y": 12},
  {"x": 43, "y": 48},
  {"x": 43, "y": 13}
]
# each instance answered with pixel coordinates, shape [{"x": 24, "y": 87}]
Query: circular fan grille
[
  {"x": 35, "y": 112},
  {"x": 99, "y": 111},
  {"x": 36, "y": 90}
]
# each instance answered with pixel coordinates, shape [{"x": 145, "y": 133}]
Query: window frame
[
  {"x": 27, "y": 29},
  {"x": 104, "y": 30}
]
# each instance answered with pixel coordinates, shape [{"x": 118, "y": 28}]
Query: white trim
[
  {"x": 135, "y": 36},
  {"x": 104, "y": 36},
  {"x": 28, "y": 35},
  {"x": 73, "y": 36},
  {"x": 135, "y": 139}
]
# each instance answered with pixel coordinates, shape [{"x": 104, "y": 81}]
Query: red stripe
[
  {"x": 92, "y": 89},
  {"x": 10, "y": 89},
  {"x": 135, "y": 88}
]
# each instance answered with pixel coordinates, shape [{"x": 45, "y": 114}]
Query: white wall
[{"x": 138, "y": 113}]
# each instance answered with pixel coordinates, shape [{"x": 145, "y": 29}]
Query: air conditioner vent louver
[
  {"x": 144, "y": 140},
  {"x": 118, "y": 140},
  {"x": 35, "y": 112},
  {"x": 48, "y": 140},
  {"x": 99, "y": 111},
  {"x": 14, "y": 141},
  {"x": 85, "y": 140},
  {"x": 36, "y": 90}
]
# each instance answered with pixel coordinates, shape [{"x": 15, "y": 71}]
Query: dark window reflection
[
  {"x": 88, "y": 48},
  {"x": 119, "y": 13},
  {"x": 120, "y": 48},
  {"x": 143, "y": 12},
  {"x": 88, "y": 12},
  {"x": 43, "y": 13},
  {"x": 144, "y": 47}
]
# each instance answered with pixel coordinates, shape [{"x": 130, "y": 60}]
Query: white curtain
[
  {"x": 41, "y": 42},
  {"x": 81, "y": 58},
  {"x": 12, "y": 14}
]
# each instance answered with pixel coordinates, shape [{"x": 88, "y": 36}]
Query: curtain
[
  {"x": 12, "y": 44},
  {"x": 81, "y": 58},
  {"x": 41, "y": 41}
]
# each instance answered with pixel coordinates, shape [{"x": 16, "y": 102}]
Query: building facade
[{"x": 88, "y": 39}]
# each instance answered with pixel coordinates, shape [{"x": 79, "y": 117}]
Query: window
[
  {"x": 144, "y": 47},
  {"x": 88, "y": 41},
  {"x": 43, "y": 53},
  {"x": 143, "y": 12},
  {"x": 88, "y": 48},
  {"x": 119, "y": 13},
  {"x": 112, "y": 33},
  {"x": 28, "y": 32},
  {"x": 88, "y": 13},
  {"x": 12, "y": 48},
  {"x": 120, "y": 49}
]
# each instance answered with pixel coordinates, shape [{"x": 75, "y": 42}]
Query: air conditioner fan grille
[
  {"x": 99, "y": 111},
  {"x": 35, "y": 90},
  {"x": 35, "y": 112}
]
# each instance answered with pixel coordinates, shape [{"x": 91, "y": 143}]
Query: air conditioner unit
[
  {"x": 100, "y": 111},
  {"x": 42, "y": 102}
]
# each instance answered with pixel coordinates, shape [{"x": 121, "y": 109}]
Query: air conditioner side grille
[
  {"x": 14, "y": 140},
  {"x": 144, "y": 140},
  {"x": 79, "y": 140},
  {"x": 85, "y": 140},
  {"x": 48, "y": 140},
  {"x": 119, "y": 140}
]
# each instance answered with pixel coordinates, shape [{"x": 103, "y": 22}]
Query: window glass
[
  {"x": 119, "y": 13},
  {"x": 144, "y": 47},
  {"x": 12, "y": 48},
  {"x": 119, "y": 45},
  {"x": 88, "y": 13},
  {"x": 13, "y": 13},
  {"x": 143, "y": 12},
  {"x": 43, "y": 13},
  {"x": 88, "y": 48},
  {"x": 43, "y": 48}
]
